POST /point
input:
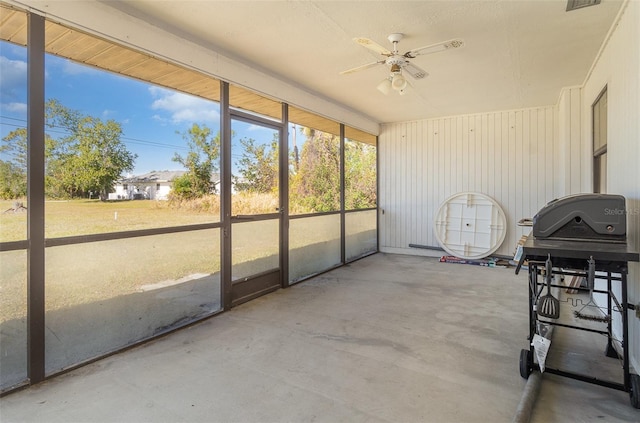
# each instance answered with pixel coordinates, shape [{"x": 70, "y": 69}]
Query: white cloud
[
  {"x": 252, "y": 128},
  {"x": 106, "y": 114},
  {"x": 14, "y": 78},
  {"x": 182, "y": 107},
  {"x": 159, "y": 119},
  {"x": 20, "y": 108}
]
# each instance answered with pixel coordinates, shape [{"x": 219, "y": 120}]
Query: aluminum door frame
[{"x": 236, "y": 292}]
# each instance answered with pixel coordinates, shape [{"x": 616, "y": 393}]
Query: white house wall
[
  {"x": 618, "y": 68},
  {"x": 508, "y": 156}
]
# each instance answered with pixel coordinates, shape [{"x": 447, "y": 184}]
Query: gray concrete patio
[{"x": 388, "y": 338}]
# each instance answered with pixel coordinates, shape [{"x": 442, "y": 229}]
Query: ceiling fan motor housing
[
  {"x": 395, "y": 68},
  {"x": 396, "y": 62}
]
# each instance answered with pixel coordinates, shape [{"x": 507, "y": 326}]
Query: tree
[
  {"x": 258, "y": 167},
  {"x": 100, "y": 157},
  {"x": 13, "y": 181},
  {"x": 200, "y": 162},
  {"x": 14, "y": 150},
  {"x": 360, "y": 175},
  {"x": 315, "y": 187},
  {"x": 13, "y": 165},
  {"x": 60, "y": 175},
  {"x": 89, "y": 157}
]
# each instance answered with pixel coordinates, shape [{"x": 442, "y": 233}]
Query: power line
[{"x": 128, "y": 140}]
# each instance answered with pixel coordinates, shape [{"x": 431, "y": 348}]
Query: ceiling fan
[{"x": 397, "y": 62}]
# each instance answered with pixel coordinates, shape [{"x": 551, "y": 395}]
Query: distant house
[{"x": 151, "y": 186}]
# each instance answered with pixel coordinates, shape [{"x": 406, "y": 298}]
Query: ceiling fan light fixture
[
  {"x": 385, "y": 86},
  {"x": 397, "y": 62},
  {"x": 398, "y": 82}
]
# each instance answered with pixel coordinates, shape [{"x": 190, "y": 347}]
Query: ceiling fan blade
[
  {"x": 359, "y": 68},
  {"x": 415, "y": 71},
  {"x": 434, "y": 48},
  {"x": 372, "y": 45}
]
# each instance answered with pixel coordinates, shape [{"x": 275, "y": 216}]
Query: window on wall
[
  {"x": 255, "y": 179},
  {"x": 314, "y": 178},
  {"x": 13, "y": 207},
  {"x": 130, "y": 149},
  {"x": 314, "y": 194},
  {"x": 13, "y": 143},
  {"x": 131, "y": 207},
  {"x": 360, "y": 193},
  {"x": 599, "y": 110},
  {"x": 360, "y": 170},
  {"x": 123, "y": 154}
]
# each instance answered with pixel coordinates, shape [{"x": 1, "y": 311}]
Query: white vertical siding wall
[
  {"x": 570, "y": 144},
  {"x": 508, "y": 156},
  {"x": 618, "y": 68}
]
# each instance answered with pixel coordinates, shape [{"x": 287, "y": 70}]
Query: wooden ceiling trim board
[
  {"x": 137, "y": 68},
  {"x": 13, "y": 26},
  {"x": 176, "y": 77},
  {"x": 152, "y": 69},
  {"x": 358, "y": 135},
  {"x": 116, "y": 59},
  {"x": 197, "y": 83},
  {"x": 247, "y": 100},
  {"x": 88, "y": 50},
  {"x": 314, "y": 121},
  {"x": 58, "y": 38}
]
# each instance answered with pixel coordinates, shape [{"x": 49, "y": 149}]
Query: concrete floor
[
  {"x": 388, "y": 338},
  {"x": 566, "y": 400}
]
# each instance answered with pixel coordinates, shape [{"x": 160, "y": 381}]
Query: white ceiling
[{"x": 516, "y": 54}]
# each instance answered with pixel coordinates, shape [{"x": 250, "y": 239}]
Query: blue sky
[{"x": 152, "y": 118}]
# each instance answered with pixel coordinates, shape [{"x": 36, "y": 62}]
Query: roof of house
[
  {"x": 162, "y": 176},
  {"x": 155, "y": 176}
]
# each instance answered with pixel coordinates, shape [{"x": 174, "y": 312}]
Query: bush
[
  {"x": 254, "y": 203},
  {"x": 205, "y": 204},
  {"x": 242, "y": 203}
]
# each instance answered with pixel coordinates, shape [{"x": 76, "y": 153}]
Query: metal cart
[{"x": 610, "y": 258}]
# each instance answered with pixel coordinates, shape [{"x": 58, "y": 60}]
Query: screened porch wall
[{"x": 509, "y": 156}]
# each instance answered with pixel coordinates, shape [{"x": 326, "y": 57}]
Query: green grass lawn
[
  {"x": 83, "y": 217},
  {"x": 94, "y": 271}
]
